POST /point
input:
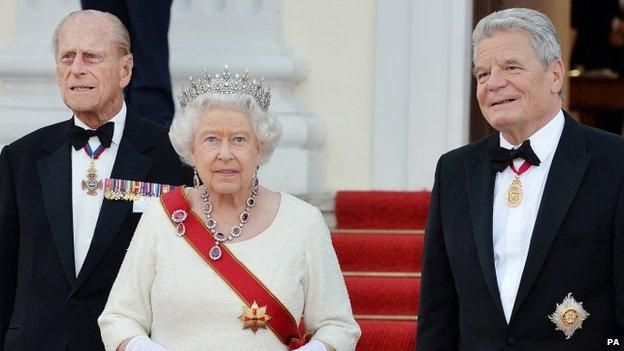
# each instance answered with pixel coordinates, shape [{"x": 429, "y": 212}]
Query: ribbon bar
[{"x": 132, "y": 190}]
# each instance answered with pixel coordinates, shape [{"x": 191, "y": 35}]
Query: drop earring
[
  {"x": 196, "y": 182},
  {"x": 254, "y": 178}
]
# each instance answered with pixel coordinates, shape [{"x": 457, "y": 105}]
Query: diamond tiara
[{"x": 226, "y": 83}]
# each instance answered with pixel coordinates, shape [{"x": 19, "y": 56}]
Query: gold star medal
[
  {"x": 91, "y": 184},
  {"x": 254, "y": 317},
  {"x": 569, "y": 316}
]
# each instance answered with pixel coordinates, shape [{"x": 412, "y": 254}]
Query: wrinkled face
[
  {"x": 90, "y": 69},
  {"x": 513, "y": 89},
  {"x": 226, "y": 151}
]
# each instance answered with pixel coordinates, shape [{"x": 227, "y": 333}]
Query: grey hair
[
  {"x": 121, "y": 36},
  {"x": 536, "y": 25},
  {"x": 267, "y": 128}
]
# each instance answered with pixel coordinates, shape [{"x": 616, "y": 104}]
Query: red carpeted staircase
[{"x": 378, "y": 240}]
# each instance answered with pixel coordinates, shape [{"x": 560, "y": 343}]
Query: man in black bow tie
[
  {"x": 523, "y": 247},
  {"x": 61, "y": 242}
]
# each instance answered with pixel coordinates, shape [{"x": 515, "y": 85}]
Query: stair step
[
  {"x": 384, "y": 295},
  {"x": 382, "y": 209},
  {"x": 387, "y": 335},
  {"x": 386, "y": 317},
  {"x": 378, "y": 253},
  {"x": 379, "y": 243},
  {"x": 382, "y": 274},
  {"x": 380, "y": 231}
]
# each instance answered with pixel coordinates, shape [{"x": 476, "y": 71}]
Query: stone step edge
[
  {"x": 381, "y": 274},
  {"x": 379, "y": 231},
  {"x": 385, "y": 317}
]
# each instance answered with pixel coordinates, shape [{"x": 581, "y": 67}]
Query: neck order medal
[
  {"x": 91, "y": 184},
  {"x": 514, "y": 193}
]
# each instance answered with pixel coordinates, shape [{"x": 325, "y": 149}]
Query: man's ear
[
  {"x": 558, "y": 70},
  {"x": 125, "y": 70}
]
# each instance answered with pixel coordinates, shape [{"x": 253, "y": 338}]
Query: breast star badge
[
  {"x": 254, "y": 317},
  {"x": 569, "y": 316}
]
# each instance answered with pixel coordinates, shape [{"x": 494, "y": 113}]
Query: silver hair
[
  {"x": 267, "y": 128},
  {"x": 536, "y": 25},
  {"x": 121, "y": 36}
]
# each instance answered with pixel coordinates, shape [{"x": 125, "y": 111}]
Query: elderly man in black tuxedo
[
  {"x": 523, "y": 247},
  {"x": 61, "y": 241}
]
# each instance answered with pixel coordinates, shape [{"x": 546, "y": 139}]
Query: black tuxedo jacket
[
  {"x": 43, "y": 305},
  {"x": 577, "y": 247}
]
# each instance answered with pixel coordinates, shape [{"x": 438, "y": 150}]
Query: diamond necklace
[{"x": 236, "y": 231}]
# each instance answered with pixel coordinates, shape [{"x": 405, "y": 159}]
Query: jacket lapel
[
  {"x": 55, "y": 177},
  {"x": 480, "y": 179},
  {"x": 566, "y": 173},
  {"x": 130, "y": 164}
]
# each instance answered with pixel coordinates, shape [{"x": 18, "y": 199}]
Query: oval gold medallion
[{"x": 514, "y": 193}]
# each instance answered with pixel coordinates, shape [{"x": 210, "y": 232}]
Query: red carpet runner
[{"x": 378, "y": 240}]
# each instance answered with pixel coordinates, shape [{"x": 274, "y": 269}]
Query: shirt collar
[
  {"x": 545, "y": 140},
  {"x": 119, "y": 119}
]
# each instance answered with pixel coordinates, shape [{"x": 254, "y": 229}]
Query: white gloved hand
[
  {"x": 143, "y": 343},
  {"x": 313, "y": 345}
]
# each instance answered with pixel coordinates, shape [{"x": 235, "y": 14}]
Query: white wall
[
  {"x": 391, "y": 81},
  {"x": 7, "y": 28},
  {"x": 338, "y": 39},
  {"x": 7, "y": 23}
]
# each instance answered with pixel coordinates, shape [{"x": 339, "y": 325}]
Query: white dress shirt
[
  {"x": 513, "y": 227},
  {"x": 86, "y": 208}
]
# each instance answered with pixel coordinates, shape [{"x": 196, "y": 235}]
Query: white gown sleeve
[
  {"x": 128, "y": 310},
  {"x": 327, "y": 310}
]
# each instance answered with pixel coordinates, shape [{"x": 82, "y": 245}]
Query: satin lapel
[
  {"x": 130, "y": 164},
  {"x": 55, "y": 177},
  {"x": 566, "y": 174},
  {"x": 480, "y": 180}
]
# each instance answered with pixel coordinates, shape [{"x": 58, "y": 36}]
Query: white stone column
[
  {"x": 422, "y": 89},
  {"x": 203, "y": 33}
]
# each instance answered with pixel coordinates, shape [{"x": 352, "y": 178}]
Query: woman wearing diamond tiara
[{"x": 228, "y": 264}]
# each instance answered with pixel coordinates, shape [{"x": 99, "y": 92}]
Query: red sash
[{"x": 234, "y": 272}]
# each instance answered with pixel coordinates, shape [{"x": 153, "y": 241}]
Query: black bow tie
[
  {"x": 500, "y": 157},
  {"x": 79, "y": 136}
]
